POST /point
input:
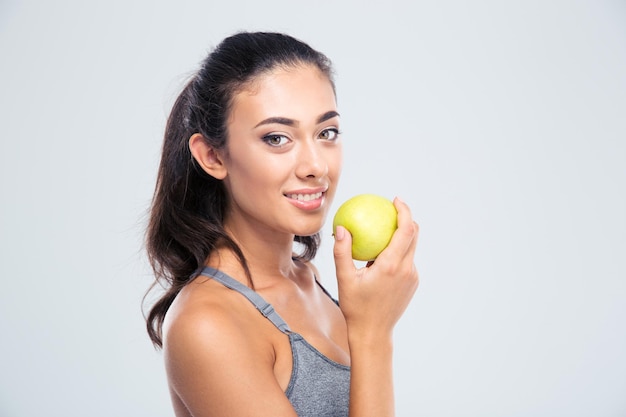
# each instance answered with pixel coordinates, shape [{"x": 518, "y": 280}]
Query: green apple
[{"x": 371, "y": 220}]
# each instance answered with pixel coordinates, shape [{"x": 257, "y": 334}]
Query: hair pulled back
[{"x": 188, "y": 207}]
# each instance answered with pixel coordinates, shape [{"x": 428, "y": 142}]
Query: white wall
[{"x": 501, "y": 123}]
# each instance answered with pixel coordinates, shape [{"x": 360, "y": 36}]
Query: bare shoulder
[
  {"x": 214, "y": 340},
  {"x": 209, "y": 316},
  {"x": 200, "y": 305}
]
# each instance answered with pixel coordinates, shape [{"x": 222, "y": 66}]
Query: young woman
[{"x": 250, "y": 164}]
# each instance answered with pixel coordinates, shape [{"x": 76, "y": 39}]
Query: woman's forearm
[{"x": 371, "y": 384}]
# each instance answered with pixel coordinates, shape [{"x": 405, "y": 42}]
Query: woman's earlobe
[{"x": 207, "y": 157}]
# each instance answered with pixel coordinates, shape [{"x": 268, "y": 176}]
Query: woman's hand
[{"x": 373, "y": 298}]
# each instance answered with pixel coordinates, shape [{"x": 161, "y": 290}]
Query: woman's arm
[
  {"x": 215, "y": 368},
  {"x": 372, "y": 300}
]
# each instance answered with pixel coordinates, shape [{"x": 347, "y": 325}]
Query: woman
[{"x": 250, "y": 164}]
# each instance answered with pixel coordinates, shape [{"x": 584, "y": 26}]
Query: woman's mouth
[
  {"x": 306, "y": 201},
  {"x": 304, "y": 197}
]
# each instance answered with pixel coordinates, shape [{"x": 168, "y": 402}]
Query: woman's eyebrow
[
  {"x": 290, "y": 122},
  {"x": 326, "y": 116},
  {"x": 277, "y": 120}
]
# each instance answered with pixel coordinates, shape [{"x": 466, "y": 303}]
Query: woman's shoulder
[
  {"x": 205, "y": 311},
  {"x": 214, "y": 338}
]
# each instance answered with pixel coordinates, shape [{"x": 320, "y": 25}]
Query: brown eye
[
  {"x": 329, "y": 134},
  {"x": 275, "y": 140}
]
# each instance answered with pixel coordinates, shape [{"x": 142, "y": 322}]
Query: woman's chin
[{"x": 308, "y": 231}]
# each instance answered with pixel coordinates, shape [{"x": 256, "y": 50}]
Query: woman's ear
[{"x": 207, "y": 157}]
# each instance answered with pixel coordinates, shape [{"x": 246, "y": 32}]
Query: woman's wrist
[{"x": 370, "y": 341}]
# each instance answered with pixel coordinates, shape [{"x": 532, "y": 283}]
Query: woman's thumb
[{"x": 342, "y": 251}]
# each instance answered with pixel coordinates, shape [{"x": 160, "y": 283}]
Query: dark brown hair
[{"x": 188, "y": 207}]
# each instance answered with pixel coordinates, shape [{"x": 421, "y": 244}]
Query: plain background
[{"x": 501, "y": 123}]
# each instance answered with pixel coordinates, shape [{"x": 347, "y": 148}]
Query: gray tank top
[{"x": 319, "y": 386}]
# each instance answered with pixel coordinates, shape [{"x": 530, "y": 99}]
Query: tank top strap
[{"x": 263, "y": 306}]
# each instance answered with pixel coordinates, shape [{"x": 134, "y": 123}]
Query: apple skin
[{"x": 371, "y": 220}]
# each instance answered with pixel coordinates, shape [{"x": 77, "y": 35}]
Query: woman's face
[{"x": 283, "y": 156}]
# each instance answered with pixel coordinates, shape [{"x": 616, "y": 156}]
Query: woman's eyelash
[
  {"x": 334, "y": 130},
  {"x": 275, "y": 139}
]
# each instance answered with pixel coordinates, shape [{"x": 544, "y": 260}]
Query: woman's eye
[
  {"x": 275, "y": 140},
  {"x": 329, "y": 134}
]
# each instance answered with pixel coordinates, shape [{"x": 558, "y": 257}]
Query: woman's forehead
[{"x": 298, "y": 91}]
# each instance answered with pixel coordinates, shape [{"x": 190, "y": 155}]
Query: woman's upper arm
[{"x": 217, "y": 369}]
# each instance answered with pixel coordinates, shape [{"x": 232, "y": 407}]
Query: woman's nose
[{"x": 311, "y": 161}]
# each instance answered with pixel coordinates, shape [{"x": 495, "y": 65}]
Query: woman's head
[
  {"x": 189, "y": 205},
  {"x": 231, "y": 67},
  {"x": 282, "y": 159}
]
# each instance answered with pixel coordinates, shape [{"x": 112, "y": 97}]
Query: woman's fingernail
[{"x": 340, "y": 233}]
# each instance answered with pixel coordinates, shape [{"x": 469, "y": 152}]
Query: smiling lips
[
  {"x": 305, "y": 197},
  {"x": 306, "y": 201}
]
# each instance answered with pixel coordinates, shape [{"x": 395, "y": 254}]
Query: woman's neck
[{"x": 268, "y": 259}]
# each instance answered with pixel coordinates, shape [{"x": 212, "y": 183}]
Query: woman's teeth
[{"x": 304, "y": 197}]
